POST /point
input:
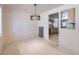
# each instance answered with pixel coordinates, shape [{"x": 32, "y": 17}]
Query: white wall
[
  {"x": 44, "y": 23},
  {"x": 18, "y": 26},
  {"x": 0, "y": 20},
  {"x": 67, "y": 37},
  {"x": 1, "y": 37}
]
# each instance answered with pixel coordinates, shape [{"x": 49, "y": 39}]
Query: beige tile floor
[
  {"x": 34, "y": 46},
  {"x": 54, "y": 38}
]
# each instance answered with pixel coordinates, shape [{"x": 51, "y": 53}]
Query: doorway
[{"x": 54, "y": 28}]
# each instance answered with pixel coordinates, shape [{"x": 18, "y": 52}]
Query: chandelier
[{"x": 35, "y": 16}]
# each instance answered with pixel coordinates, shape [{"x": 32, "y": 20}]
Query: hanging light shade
[{"x": 35, "y": 16}]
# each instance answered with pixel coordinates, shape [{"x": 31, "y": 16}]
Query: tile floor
[
  {"x": 54, "y": 38},
  {"x": 34, "y": 46}
]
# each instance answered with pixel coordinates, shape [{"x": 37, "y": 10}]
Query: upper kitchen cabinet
[{"x": 71, "y": 15}]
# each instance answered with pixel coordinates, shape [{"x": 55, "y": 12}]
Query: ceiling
[{"x": 29, "y": 8}]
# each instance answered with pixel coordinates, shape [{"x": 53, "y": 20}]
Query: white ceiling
[{"x": 30, "y": 7}]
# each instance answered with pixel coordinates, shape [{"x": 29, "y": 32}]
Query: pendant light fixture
[{"x": 35, "y": 16}]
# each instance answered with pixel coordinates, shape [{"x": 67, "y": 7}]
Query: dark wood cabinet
[{"x": 53, "y": 30}]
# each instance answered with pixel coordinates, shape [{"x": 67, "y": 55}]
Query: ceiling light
[{"x": 35, "y": 16}]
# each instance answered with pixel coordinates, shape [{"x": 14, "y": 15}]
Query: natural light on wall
[{"x": 0, "y": 21}]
